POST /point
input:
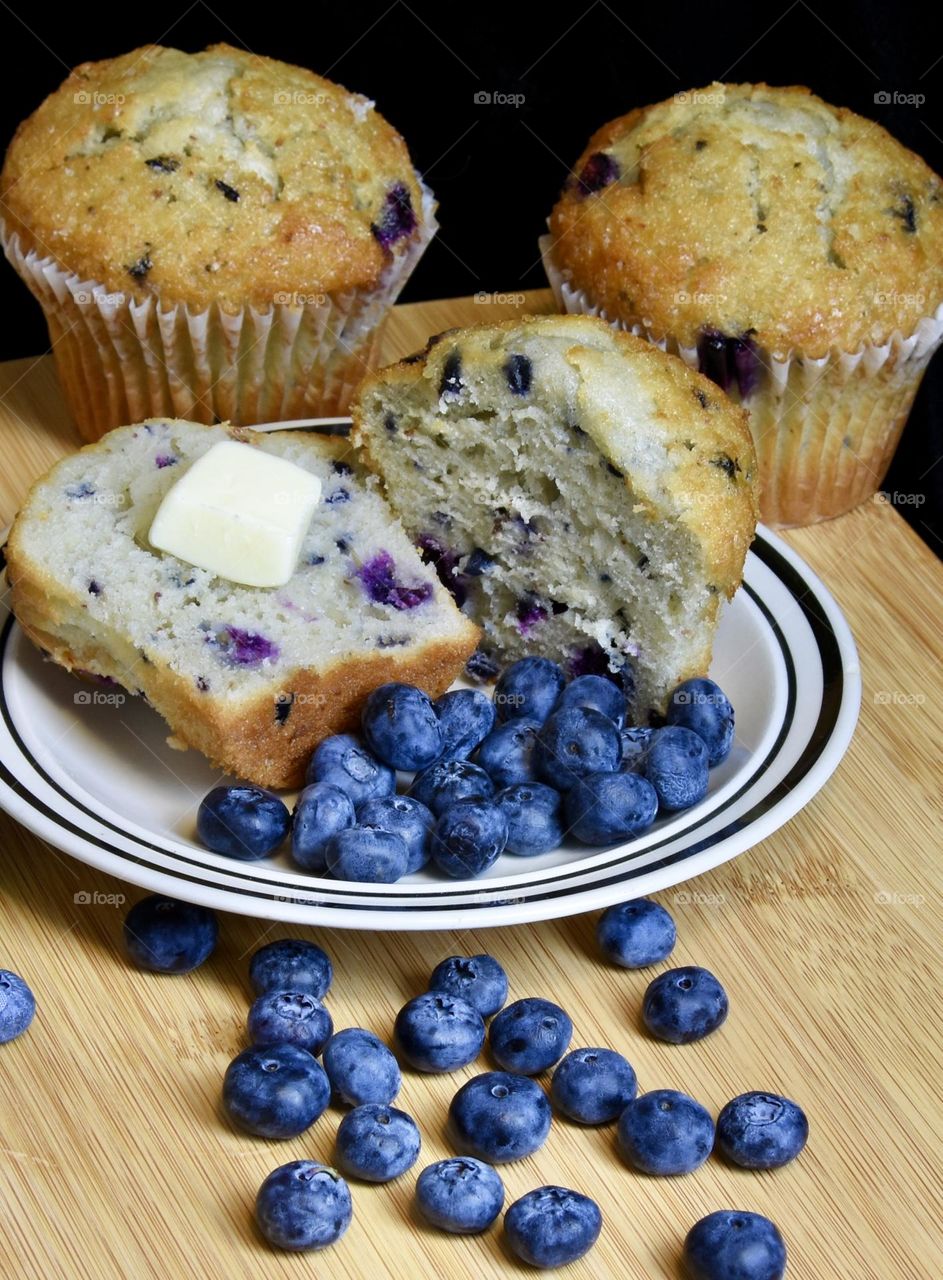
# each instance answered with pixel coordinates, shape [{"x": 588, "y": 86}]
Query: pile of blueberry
[
  {"x": 277, "y": 1088},
  {"x": 551, "y": 759}
]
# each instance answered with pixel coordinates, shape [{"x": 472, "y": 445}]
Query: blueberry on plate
[
  {"x": 367, "y": 854},
  {"x": 462, "y": 1195},
  {"x": 499, "y": 1116},
  {"x": 289, "y": 1017},
  {"x": 665, "y": 1132},
  {"x": 342, "y": 761},
  {"x": 439, "y": 1032},
  {"x": 734, "y": 1245},
  {"x": 469, "y": 838},
  {"x": 168, "y": 936},
  {"x": 635, "y": 742},
  {"x": 303, "y": 1205},
  {"x": 17, "y": 1006},
  {"x": 761, "y": 1130},
  {"x": 242, "y": 822},
  {"x": 377, "y": 1142},
  {"x": 466, "y": 717},
  {"x": 675, "y": 763},
  {"x": 448, "y": 781},
  {"x": 403, "y": 816},
  {"x": 534, "y": 815},
  {"x": 593, "y": 1086},
  {"x": 686, "y": 1004},
  {"x": 574, "y": 743},
  {"x": 636, "y": 934},
  {"x": 608, "y": 807},
  {"x": 529, "y": 687},
  {"x": 275, "y": 1090},
  {"x": 400, "y": 725},
  {"x": 551, "y": 1226},
  {"x": 597, "y": 692},
  {"x": 702, "y": 706},
  {"x": 508, "y": 754},
  {"x": 320, "y": 812},
  {"x": 360, "y": 1067},
  {"x": 291, "y": 964},
  {"x": 478, "y": 979},
  {"x": 530, "y": 1035}
]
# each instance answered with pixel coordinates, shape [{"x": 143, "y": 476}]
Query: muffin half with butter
[
  {"x": 791, "y": 250},
  {"x": 213, "y": 235}
]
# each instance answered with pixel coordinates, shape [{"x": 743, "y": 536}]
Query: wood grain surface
[{"x": 115, "y": 1159}]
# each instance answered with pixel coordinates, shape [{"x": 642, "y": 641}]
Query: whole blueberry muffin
[
  {"x": 584, "y": 495},
  {"x": 211, "y": 236},
  {"x": 790, "y": 250},
  {"x": 252, "y": 677}
]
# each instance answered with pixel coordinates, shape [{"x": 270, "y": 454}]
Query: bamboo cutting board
[{"x": 115, "y": 1159}]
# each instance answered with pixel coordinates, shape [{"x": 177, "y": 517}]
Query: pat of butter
[{"x": 240, "y": 512}]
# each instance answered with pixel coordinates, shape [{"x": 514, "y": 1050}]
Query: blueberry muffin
[
  {"x": 212, "y": 236},
  {"x": 252, "y": 677},
  {"x": 584, "y": 495},
  {"x": 790, "y": 250}
]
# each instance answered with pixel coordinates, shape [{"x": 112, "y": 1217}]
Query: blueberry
[
  {"x": 551, "y": 1226},
  {"x": 530, "y": 688},
  {"x": 397, "y": 217},
  {"x": 597, "y": 692},
  {"x": 635, "y": 742},
  {"x": 291, "y": 964},
  {"x": 360, "y": 1067},
  {"x": 379, "y": 578},
  {"x": 574, "y": 743},
  {"x": 508, "y": 752},
  {"x": 761, "y": 1130},
  {"x": 593, "y": 1086},
  {"x": 462, "y": 1195},
  {"x": 607, "y": 807},
  {"x": 665, "y": 1132},
  {"x": 478, "y": 979},
  {"x": 17, "y": 1006},
  {"x": 448, "y": 781},
  {"x": 675, "y": 763},
  {"x": 481, "y": 667},
  {"x": 682, "y": 1005},
  {"x": 439, "y": 1032},
  {"x": 530, "y": 1035},
  {"x": 320, "y": 811},
  {"x": 466, "y": 717},
  {"x": 599, "y": 171},
  {"x": 636, "y": 934},
  {"x": 168, "y": 936},
  {"x": 401, "y": 726},
  {"x": 367, "y": 854},
  {"x": 702, "y": 706},
  {"x": 242, "y": 822},
  {"x": 377, "y": 1143},
  {"x": 733, "y": 1245},
  {"x": 451, "y": 384},
  {"x": 534, "y": 812},
  {"x": 290, "y": 1017},
  {"x": 469, "y": 838},
  {"x": 499, "y": 1116},
  {"x": 519, "y": 372},
  {"x": 303, "y": 1205},
  {"x": 405, "y": 817},
  {"x": 275, "y": 1090},
  {"x": 342, "y": 762}
]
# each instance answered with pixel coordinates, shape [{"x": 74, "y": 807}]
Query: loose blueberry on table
[
  {"x": 665, "y": 1132},
  {"x": 377, "y": 1143},
  {"x": 291, "y": 964},
  {"x": 17, "y": 1006},
  {"x": 552, "y": 1226},
  {"x": 500, "y": 1116},
  {"x": 303, "y": 1205},
  {"x": 289, "y": 1017},
  {"x": 361, "y": 1068},
  {"x": 461, "y": 1195},
  {"x": 636, "y": 934},
  {"x": 168, "y": 936},
  {"x": 478, "y": 979},
  {"x": 593, "y": 1086},
  {"x": 530, "y": 1035},
  {"x": 733, "y": 1245},
  {"x": 439, "y": 1032},
  {"x": 682, "y": 1005},
  {"x": 242, "y": 822},
  {"x": 275, "y": 1090},
  {"x": 762, "y": 1130}
]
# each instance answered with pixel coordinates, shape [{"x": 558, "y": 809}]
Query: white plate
[{"x": 95, "y": 777}]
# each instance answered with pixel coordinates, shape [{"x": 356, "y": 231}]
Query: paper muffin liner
[
  {"x": 120, "y": 361},
  {"x": 825, "y": 429}
]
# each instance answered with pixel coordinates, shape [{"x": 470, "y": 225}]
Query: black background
[{"x": 496, "y": 168}]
